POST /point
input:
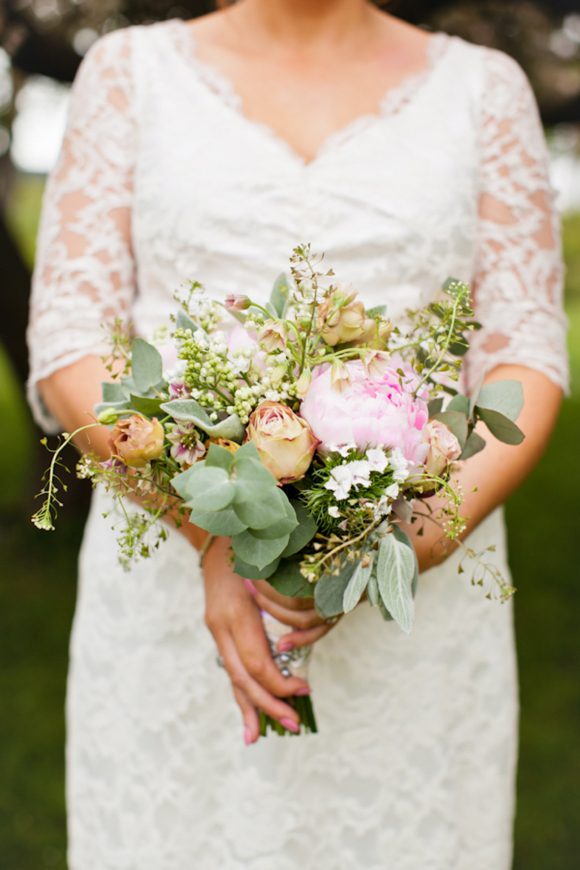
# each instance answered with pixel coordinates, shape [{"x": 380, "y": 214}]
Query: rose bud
[
  {"x": 285, "y": 442},
  {"x": 236, "y": 302},
  {"x": 136, "y": 440},
  {"x": 342, "y": 318},
  {"x": 303, "y": 383},
  {"x": 443, "y": 448}
]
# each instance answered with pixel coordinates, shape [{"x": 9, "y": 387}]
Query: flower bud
[
  {"x": 303, "y": 383},
  {"x": 236, "y": 302},
  {"x": 108, "y": 417}
]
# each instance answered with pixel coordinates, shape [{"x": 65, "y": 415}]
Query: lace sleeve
[
  {"x": 518, "y": 278},
  {"x": 84, "y": 273}
]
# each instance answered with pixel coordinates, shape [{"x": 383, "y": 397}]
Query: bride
[{"x": 207, "y": 150}]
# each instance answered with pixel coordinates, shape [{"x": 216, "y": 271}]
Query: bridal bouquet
[{"x": 307, "y": 430}]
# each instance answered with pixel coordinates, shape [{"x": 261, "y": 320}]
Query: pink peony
[{"x": 376, "y": 411}]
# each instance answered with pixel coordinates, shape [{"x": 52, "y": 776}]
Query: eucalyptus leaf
[
  {"x": 144, "y": 405},
  {"x": 434, "y": 407},
  {"x": 459, "y": 403},
  {"x": 280, "y": 528},
  {"x": 456, "y": 422},
  {"x": 251, "y": 572},
  {"x": 475, "y": 396},
  {"x": 112, "y": 392},
  {"x": 280, "y": 295},
  {"x": 330, "y": 589},
  {"x": 304, "y": 531},
  {"x": 219, "y": 457},
  {"x": 287, "y": 580},
  {"x": 262, "y": 512},
  {"x": 356, "y": 586},
  {"x": 257, "y": 551},
  {"x": 146, "y": 365},
  {"x": 253, "y": 480},
  {"x": 473, "y": 445},
  {"x": 505, "y": 397},
  {"x": 213, "y": 489},
  {"x": 395, "y": 572},
  {"x": 223, "y": 522},
  {"x": 500, "y": 426}
]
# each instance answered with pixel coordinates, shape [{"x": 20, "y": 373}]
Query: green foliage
[
  {"x": 396, "y": 567},
  {"x": 146, "y": 365}
]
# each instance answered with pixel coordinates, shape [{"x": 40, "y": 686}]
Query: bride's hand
[
  {"x": 232, "y": 615},
  {"x": 296, "y": 612}
]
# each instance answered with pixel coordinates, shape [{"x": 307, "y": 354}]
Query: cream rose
[{"x": 443, "y": 448}]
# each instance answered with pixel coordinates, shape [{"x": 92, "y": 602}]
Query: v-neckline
[{"x": 394, "y": 100}]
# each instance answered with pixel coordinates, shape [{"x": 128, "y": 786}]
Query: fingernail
[
  {"x": 290, "y": 725},
  {"x": 285, "y": 647},
  {"x": 305, "y": 691},
  {"x": 247, "y": 736},
  {"x": 250, "y": 586}
]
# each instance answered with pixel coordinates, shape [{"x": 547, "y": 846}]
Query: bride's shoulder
[{"x": 489, "y": 65}]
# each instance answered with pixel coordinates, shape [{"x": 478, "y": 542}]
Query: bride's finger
[
  {"x": 258, "y": 696},
  {"x": 295, "y": 639},
  {"x": 301, "y": 619},
  {"x": 250, "y": 716}
]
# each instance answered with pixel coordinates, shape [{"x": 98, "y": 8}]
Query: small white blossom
[
  {"x": 399, "y": 465},
  {"x": 334, "y": 512},
  {"x": 378, "y": 458}
]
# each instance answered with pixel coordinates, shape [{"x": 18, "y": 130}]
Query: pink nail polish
[
  {"x": 285, "y": 647},
  {"x": 305, "y": 691},
  {"x": 247, "y": 736},
  {"x": 250, "y": 586},
  {"x": 290, "y": 725}
]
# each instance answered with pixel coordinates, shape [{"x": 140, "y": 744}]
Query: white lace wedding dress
[{"x": 162, "y": 180}]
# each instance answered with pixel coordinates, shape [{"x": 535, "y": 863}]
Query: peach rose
[
  {"x": 137, "y": 440},
  {"x": 284, "y": 441},
  {"x": 443, "y": 448}
]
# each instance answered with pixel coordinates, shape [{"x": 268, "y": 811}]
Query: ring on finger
[
  {"x": 332, "y": 620},
  {"x": 220, "y": 661}
]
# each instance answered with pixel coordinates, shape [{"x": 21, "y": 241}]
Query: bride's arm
[
  {"x": 517, "y": 290},
  {"x": 85, "y": 277}
]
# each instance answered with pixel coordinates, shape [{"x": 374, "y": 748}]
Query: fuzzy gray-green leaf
[{"x": 395, "y": 572}]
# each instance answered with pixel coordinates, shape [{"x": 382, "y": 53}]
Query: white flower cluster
[
  {"x": 199, "y": 306},
  {"x": 357, "y": 472}
]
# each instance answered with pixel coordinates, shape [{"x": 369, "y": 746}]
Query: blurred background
[{"x": 41, "y": 45}]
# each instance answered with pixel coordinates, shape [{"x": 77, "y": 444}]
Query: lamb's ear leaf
[
  {"x": 395, "y": 571},
  {"x": 146, "y": 365},
  {"x": 280, "y": 295},
  {"x": 184, "y": 321},
  {"x": 144, "y": 405},
  {"x": 356, "y": 586}
]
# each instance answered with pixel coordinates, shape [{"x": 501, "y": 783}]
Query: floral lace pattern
[{"x": 161, "y": 181}]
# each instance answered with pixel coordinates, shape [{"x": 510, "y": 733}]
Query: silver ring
[
  {"x": 220, "y": 661},
  {"x": 332, "y": 621}
]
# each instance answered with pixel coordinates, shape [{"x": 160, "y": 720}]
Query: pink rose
[
  {"x": 443, "y": 448},
  {"x": 372, "y": 411},
  {"x": 136, "y": 440},
  {"x": 284, "y": 441}
]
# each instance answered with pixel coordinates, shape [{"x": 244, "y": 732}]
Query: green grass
[{"x": 37, "y": 589}]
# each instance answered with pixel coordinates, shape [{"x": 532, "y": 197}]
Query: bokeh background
[{"x": 42, "y": 42}]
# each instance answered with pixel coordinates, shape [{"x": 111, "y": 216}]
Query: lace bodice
[{"x": 162, "y": 180}]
